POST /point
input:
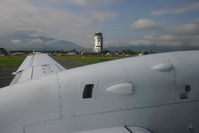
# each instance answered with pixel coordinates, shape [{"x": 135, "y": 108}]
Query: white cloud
[
  {"x": 185, "y": 35},
  {"x": 187, "y": 8},
  {"x": 15, "y": 41},
  {"x": 94, "y": 3},
  {"x": 185, "y": 29},
  {"x": 36, "y": 34},
  {"x": 144, "y": 24},
  {"x": 54, "y": 22},
  {"x": 89, "y": 4},
  {"x": 149, "y": 37},
  {"x": 35, "y": 41},
  {"x": 141, "y": 42},
  {"x": 159, "y": 12},
  {"x": 100, "y": 17}
]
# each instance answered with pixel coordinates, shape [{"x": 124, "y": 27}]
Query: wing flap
[{"x": 36, "y": 66}]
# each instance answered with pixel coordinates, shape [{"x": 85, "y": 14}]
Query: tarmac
[
  {"x": 6, "y": 76},
  {"x": 6, "y": 73},
  {"x": 66, "y": 63}
]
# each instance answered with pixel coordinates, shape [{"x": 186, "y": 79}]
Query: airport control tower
[{"x": 98, "y": 43}]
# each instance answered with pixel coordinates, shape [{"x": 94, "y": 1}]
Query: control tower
[{"x": 98, "y": 43}]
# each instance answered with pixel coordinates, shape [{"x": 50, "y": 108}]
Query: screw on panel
[
  {"x": 187, "y": 88},
  {"x": 190, "y": 129}
]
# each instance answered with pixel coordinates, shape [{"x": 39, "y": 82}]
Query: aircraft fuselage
[{"x": 159, "y": 92}]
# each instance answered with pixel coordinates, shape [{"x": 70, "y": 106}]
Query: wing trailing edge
[{"x": 36, "y": 66}]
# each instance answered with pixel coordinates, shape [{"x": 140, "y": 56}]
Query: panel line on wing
[{"x": 36, "y": 66}]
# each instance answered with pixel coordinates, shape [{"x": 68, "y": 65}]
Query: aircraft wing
[{"x": 36, "y": 66}]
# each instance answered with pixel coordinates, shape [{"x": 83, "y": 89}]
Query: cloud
[
  {"x": 35, "y": 41},
  {"x": 158, "y": 41},
  {"x": 15, "y": 41},
  {"x": 94, "y": 3},
  {"x": 185, "y": 29},
  {"x": 100, "y": 17},
  {"x": 88, "y": 4},
  {"x": 144, "y": 24},
  {"x": 35, "y": 34},
  {"x": 160, "y": 12},
  {"x": 141, "y": 42},
  {"x": 182, "y": 35},
  {"x": 21, "y": 15},
  {"x": 187, "y": 8}
]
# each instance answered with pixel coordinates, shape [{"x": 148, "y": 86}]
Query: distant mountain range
[{"x": 25, "y": 41}]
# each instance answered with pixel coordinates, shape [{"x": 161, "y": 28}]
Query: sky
[{"x": 122, "y": 22}]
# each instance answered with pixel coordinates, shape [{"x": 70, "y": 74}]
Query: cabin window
[{"x": 88, "y": 90}]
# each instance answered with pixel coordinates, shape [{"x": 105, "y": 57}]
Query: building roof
[
  {"x": 4, "y": 52},
  {"x": 98, "y": 34}
]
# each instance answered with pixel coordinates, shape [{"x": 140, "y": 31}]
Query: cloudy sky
[{"x": 123, "y": 22}]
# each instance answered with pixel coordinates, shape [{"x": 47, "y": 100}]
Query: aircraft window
[{"x": 88, "y": 89}]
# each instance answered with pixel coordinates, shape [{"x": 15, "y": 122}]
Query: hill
[{"x": 22, "y": 41}]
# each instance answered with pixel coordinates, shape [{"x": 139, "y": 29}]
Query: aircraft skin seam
[
  {"x": 38, "y": 122},
  {"x": 24, "y": 129},
  {"x": 60, "y": 97},
  {"x": 33, "y": 58},
  {"x": 60, "y": 109},
  {"x": 120, "y": 110},
  {"x": 58, "y": 67},
  {"x": 174, "y": 70},
  {"x": 128, "y": 129},
  {"x": 136, "y": 108},
  {"x": 32, "y": 72}
]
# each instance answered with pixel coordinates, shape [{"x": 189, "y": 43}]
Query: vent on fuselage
[{"x": 88, "y": 90}]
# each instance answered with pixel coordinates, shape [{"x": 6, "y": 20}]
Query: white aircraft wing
[{"x": 36, "y": 66}]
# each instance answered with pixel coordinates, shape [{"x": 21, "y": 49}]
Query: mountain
[
  {"x": 29, "y": 40},
  {"x": 22, "y": 41}
]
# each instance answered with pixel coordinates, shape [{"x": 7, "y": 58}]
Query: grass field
[
  {"x": 15, "y": 61},
  {"x": 90, "y": 59},
  {"x": 11, "y": 61}
]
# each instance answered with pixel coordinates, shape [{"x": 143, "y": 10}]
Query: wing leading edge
[{"x": 36, "y": 66}]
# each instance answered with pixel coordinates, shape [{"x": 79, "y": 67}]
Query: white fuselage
[{"x": 158, "y": 100}]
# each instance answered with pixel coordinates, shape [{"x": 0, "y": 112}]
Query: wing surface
[{"x": 36, "y": 66}]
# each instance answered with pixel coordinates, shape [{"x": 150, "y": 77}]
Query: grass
[
  {"x": 11, "y": 61},
  {"x": 15, "y": 61},
  {"x": 90, "y": 59}
]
